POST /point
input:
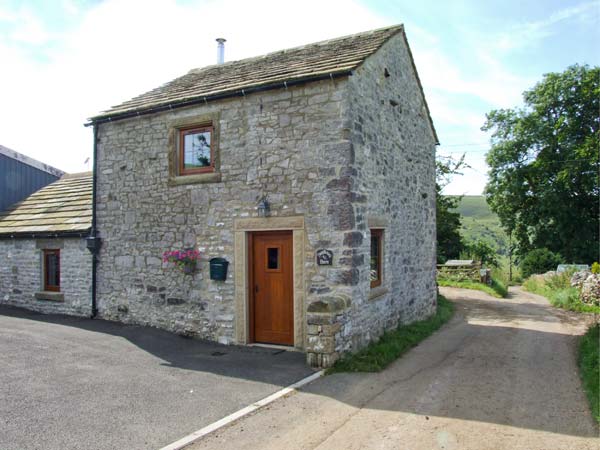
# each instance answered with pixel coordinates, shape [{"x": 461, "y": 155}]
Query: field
[{"x": 479, "y": 222}]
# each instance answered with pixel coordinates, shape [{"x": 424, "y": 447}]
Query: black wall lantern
[{"x": 264, "y": 208}]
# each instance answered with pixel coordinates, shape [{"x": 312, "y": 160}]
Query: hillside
[{"x": 479, "y": 222}]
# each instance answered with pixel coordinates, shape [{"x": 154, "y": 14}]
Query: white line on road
[{"x": 196, "y": 435}]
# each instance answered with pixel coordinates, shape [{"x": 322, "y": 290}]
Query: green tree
[
  {"x": 540, "y": 260},
  {"x": 544, "y": 165},
  {"x": 482, "y": 251},
  {"x": 449, "y": 240}
]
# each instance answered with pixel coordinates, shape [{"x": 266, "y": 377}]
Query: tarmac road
[
  {"x": 501, "y": 374},
  {"x": 70, "y": 383}
]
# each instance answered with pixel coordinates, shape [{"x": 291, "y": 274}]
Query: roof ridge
[
  {"x": 332, "y": 58},
  {"x": 300, "y": 47},
  {"x": 77, "y": 175}
]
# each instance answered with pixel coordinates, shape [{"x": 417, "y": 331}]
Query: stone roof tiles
[
  {"x": 333, "y": 57},
  {"x": 63, "y": 207}
]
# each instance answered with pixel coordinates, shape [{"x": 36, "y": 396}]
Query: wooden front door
[{"x": 271, "y": 299}]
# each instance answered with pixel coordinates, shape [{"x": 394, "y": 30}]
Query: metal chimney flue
[{"x": 220, "y": 50}]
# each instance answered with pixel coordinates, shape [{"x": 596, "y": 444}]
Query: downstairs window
[
  {"x": 376, "y": 253},
  {"x": 52, "y": 270}
]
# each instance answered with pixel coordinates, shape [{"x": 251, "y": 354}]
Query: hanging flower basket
[{"x": 185, "y": 260}]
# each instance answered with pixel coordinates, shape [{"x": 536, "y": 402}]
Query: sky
[{"x": 63, "y": 61}]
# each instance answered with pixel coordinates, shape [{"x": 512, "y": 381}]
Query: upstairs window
[
  {"x": 376, "y": 257},
  {"x": 52, "y": 270},
  {"x": 196, "y": 153}
]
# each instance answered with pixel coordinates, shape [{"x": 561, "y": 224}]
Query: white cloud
[
  {"x": 122, "y": 48},
  {"x": 473, "y": 144},
  {"x": 471, "y": 182},
  {"x": 70, "y": 7},
  {"x": 483, "y": 76},
  {"x": 26, "y": 27},
  {"x": 529, "y": 34},
  {"x": 7, "y": 15},
  {"x": 444, "y": 110}
]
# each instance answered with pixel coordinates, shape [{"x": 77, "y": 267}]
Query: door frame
[
  {"x": 242, "y": 273},
  {"x": 251, "y": 281}
]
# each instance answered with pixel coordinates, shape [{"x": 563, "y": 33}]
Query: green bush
[
  {"x": 559, "y": 281},
  {"x": 558, "y": 290},
  {"x": 566, "y": 298},
  {"x": 481, "y": 250},
  {"x": 499, "y": 287},
  {"x": 539, "y": 260},
  {"x": 595, "y": 268}
]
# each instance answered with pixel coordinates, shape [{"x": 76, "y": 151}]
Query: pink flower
[{"x": 181, "y": 257}]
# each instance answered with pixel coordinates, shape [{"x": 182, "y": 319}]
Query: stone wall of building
[
  {"x": 392, "y": 179},
  {"x": 340, "y": 154},
  {"x": 287, "y": 144},
  {"x": 21, "y": 281}
]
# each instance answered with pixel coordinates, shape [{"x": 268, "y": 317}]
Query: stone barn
[
  {"x": 310, "y": 171},
  {"x": 45, "y": 265}
]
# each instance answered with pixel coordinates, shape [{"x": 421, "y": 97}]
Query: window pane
[
  {"x": 196, "y": 149},
  {"x": 273, "y": 258},
  {"x": 52, "y": 269},
  {"x": 375, "y": 242}
]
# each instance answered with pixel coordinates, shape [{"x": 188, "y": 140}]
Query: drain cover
[{"x": 217, "y": 354}]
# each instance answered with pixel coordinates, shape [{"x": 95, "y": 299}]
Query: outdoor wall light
[{"x": 264, "y": 209}]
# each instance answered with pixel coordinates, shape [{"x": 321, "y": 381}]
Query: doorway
[{"x": 271, "y": 287}]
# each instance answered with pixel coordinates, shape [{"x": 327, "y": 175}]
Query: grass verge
[
  {"x": 558, "y": 291},
  {"x": 378, "y": 355},
  {"x": 497, "y": 289},
  {"x": 589, "y": 351}
]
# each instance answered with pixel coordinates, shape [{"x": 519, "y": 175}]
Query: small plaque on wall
[{"x": 324, "y": 257}]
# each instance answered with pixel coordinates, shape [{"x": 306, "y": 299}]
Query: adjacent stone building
[
  {"x": 310, "y": 170},
  {"x": 45, "y": 264}
]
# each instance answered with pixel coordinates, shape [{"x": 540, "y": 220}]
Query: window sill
[
  {"x": 50, "y": 296},
  {"x": 211, "y": 177},
  {"x": 377, "y": 292}
]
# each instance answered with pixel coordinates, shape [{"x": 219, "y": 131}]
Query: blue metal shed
[{"x": 20, "y": 176}]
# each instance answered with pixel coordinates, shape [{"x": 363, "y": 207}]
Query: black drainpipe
[{"x": 93, "y": 241}]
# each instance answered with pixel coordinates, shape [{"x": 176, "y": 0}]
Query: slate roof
[
  {"x": 61, "y": 208},
  {"x": 331, "y": 58}
]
